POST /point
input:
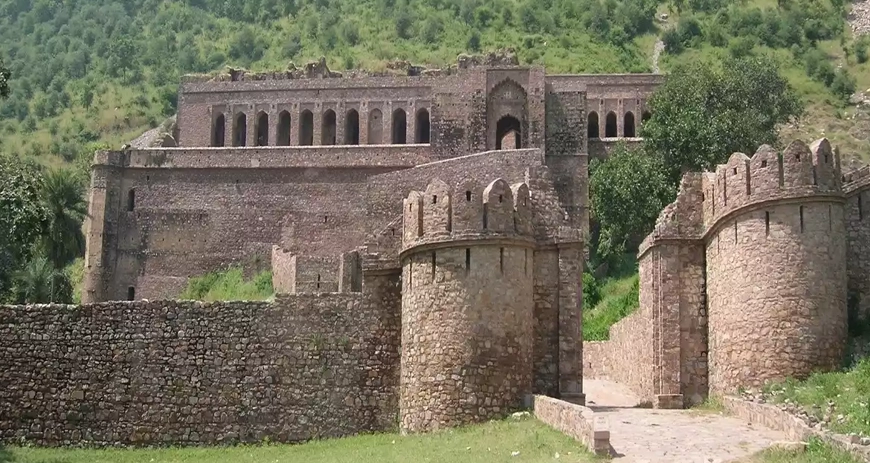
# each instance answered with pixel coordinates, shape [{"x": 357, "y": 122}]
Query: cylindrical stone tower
[
  {"x": 776, "y": 274},
  {"x": 467, "y": 308}
]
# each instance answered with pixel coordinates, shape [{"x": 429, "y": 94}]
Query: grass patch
[
  {"x": 843, "y": 397},
  {"x": 618, "y": 297},
  {"x": 713, "y": 404},
  {"x": 229, "y": 285},
  {"x": 490, "y": 442},
  {"x": 816, "y": 452}
]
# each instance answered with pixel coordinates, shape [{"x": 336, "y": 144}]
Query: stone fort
[{"x": 426, "y": 236}]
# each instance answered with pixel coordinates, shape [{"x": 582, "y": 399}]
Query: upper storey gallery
[{"x": 455, "y": 111}]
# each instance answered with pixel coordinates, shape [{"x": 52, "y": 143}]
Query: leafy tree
[
  {"x": 23, "y": 216},
  {"x": 39, "y": 282},
  {"x": 704, "y": 112},
  {"x": 627, "y": 192},
  {"x": 63, "y": 199}
]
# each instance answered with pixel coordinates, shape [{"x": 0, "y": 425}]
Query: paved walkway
[{"x": 640, "y": 435}]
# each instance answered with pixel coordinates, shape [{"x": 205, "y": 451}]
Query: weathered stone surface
[
  {"x": 188, "y": 372},
  {"x": 576, "y": 421}
]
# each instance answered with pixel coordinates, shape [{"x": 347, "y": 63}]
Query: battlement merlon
[
  {"x": 800, "y": 171},
  {"x": 499, "y": 212}
]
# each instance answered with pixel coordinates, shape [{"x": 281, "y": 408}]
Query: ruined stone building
[{"x": 425, "y": 235}]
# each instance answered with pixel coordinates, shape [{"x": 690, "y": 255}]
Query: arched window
[
  {"x": 262, "y": 129},
  {"x": 240, "y": 131},
  {"x": 376, "y": 127},
  {"x": 283, "y": 129},
  {"x": 508, "y": 133},
  {"x": 351, "y": 128},
  {"x": 218, "y": 133},
  {"x": 306, "y": 128},
  {"x": 327, "y": 128},
  {"x": 421, "y": 130},
  {"x": 400, "y": 127},
  {"x": 610, "y": 126},
  {"x": 628, "y": 125},
  {"x": 592, "y": 130}
]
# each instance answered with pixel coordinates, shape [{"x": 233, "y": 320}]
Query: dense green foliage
[
  {"x": 41, "y": 213},
  {"x": 845, "y": 394},
  {"x": 627, "y": 192},
  {"x": 229, "y": 285},
  {"x": 4, "y": 80},
  {"x": 706, "y": 111}
]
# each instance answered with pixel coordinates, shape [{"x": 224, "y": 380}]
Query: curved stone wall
[
  {"x": 776, "y": 287},
  {"x": 467, "y": 335}
]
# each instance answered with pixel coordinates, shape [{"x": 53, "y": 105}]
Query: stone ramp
[{"x": 644, "y": 435}]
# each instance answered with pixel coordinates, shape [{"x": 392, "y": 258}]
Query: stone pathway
[{"x": 640, "y": 435}]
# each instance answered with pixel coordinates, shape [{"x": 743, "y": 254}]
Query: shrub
[
  {"x": 591, "y": 290},
  {"x": 229, "y": 285}
]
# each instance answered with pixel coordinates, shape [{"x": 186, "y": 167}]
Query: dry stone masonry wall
[{"x": 188, "y": 373}]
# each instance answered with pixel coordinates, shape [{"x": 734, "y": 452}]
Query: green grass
[
  {"x": 816, "y": 452},
  {"x": 848, "y": 391},
  {"x": 491, "y": 443},
  {"x": 229, "y": 285},
  {"x": 618, "y": 299}
]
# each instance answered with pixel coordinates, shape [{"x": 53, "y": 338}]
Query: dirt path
[{"x": 640, "y": 435}]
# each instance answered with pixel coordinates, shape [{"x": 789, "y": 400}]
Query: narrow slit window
[
  {"x": 131, "y": 293},
  {"x": 318, "y": 281},
  {"x": 766, "y": 223},
  {"x": 501, "y": 260},
  {"x": 131, "y": 200},
  {"x": 433, "y": 266},
  {"x": 467, "y": 260},
  {"x": 802, "y": 218},
  {"x": 526, "y": 263},
  {"x": 468, "y": 196},
  {"x": 735, "y": 232}
]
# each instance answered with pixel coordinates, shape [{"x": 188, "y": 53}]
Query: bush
[
  {"x": 591, "y": 290},
  {"x": 229, "y": 285},
  {"x": 861, "y": 50},
  {"x": 613, "y": 307}
]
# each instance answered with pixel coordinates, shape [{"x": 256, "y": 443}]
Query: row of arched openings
[
  {"x": 328, "y": 128},
  {"x": 611, "y": 130}
]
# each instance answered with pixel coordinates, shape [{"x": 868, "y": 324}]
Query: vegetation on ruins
[
  {"x": 229, "y": 285},
  {"x": 492, "y": 442},
  {"x": 611, "y": 299},
  {"x": 841, "y": 399},
  {"x": 816, "y": 452}
]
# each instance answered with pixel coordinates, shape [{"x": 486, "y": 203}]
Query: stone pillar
[{"x": 571, "y": 322}]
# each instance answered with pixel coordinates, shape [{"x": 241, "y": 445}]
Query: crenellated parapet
[
  {"x": 800, "y": 171},
  {"x": 441, "y": 215}
]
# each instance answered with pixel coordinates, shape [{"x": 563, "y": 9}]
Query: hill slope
[{"x": 100, "y": 72}]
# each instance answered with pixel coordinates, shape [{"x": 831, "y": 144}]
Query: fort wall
[
  {"x": 856, "y": 186},
  {"x": 158, "y": 373},
  {"x": 467, "y": 311},
  {"x": 776, "y": 231}
]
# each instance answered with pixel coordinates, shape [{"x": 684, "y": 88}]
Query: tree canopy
[
  {"x": 706, "y": 111},
  {"x": 702, "y": 114}
]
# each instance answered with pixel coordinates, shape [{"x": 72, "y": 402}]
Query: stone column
[{"x": 571, "y": 322}]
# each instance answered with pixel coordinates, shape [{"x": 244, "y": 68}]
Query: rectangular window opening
[
  {"x": 433, "y": 266},
  {"x": 467, "y": 260},
  {"x": 131, "y": 293},
  {"x": 767, "y": 224}
]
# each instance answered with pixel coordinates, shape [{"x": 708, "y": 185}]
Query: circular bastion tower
[
  {"x": 467, "y": 308},
  {"x": 776, "y": 266}
]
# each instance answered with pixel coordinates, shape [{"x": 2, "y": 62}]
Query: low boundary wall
[
  {"x": 795, "y": 428},
  {"x": 577, "y": 421}
]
